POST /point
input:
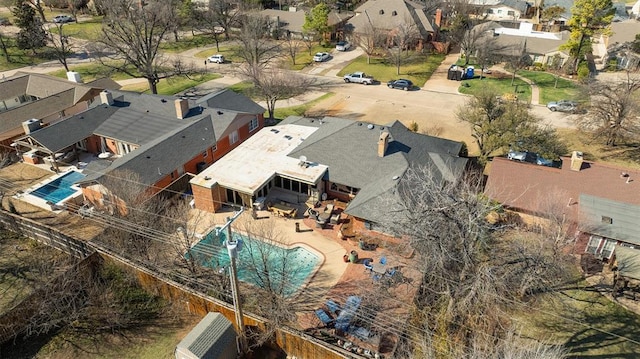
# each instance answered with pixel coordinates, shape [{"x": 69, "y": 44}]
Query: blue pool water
[
  {"x": 60, "y": 188},
  {"x": 284, "y": 270}
]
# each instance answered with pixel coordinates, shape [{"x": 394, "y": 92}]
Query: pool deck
[{"x": 384, "y": 300}]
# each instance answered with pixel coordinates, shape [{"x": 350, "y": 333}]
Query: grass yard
[
  {"x": 92, "y": 72},
  {"x": 498, "y": 82},
  {"x": 585, "y": 322},
  {"x": 627, "y": 155},
  {"x": 173, "y": 85},
  {"x": 190, "y": 42},
  {"x": 418, "y": 69},
  {"x": 244, "y": 88},
  {"x": 230, "y": 53},
  {"x": 566, "y": 89},
  {"x": 20, "y": 58},
  {"x": 304, "y": 56},
  {"x": 284, "y": 112},
  {"x": 87, "y": 29}
]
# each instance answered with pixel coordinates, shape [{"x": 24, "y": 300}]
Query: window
[
  {"x": 607, "y": 248},
  {"x": 253, "y": 124},
  {"x": 511, "y": 13},
  {"x": 205, "y": 154},
  {"x": 233, "y": 137},
  {"x": 489, "y": 11},
  {"x": 607, "y": 220},
  {"x": 594, "y": 243},
  {"x": 499, "y": 12}
]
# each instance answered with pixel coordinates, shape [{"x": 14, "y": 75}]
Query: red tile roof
[{"x": 536, "y": 189}]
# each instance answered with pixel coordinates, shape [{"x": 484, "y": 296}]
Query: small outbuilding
[{"x": 213, "y": 338}]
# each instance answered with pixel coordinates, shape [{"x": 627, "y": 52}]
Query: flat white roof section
[{"x": 260, "y": 158}]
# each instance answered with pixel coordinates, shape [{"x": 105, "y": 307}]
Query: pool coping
[{"x": 57, "y": 207}]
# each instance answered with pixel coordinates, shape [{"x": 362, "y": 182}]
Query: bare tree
[
  {"x": 369, "y": 38},
  {"x": 62, "y": 48},
  {"x": 496, "y": 125},
  {"x": 131, "y": 37},
  {"x": 273, "y": 85},
  {"x": 517, "y": 60},
  {"x": 226, "y": 15},
  {"x": 38, "y": 5},
  {"x": 256, "y": 48},
  {"x": 402, "y": 39},
  {"x": 471, "y": 272},
  {"x": 292, "y": 46},
  {"x": 614, "y": 110}
]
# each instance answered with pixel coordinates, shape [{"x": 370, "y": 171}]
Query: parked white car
[
  {"x": 321, "y": 56},
  {"x": 343, "y": 46},
  {"x": 218, "y": 59}
]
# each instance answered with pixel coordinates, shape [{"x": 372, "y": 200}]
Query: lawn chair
[
  {"x": 367, "y": 265},
  {"x": 329, "y": 209},
  {"x": 390, "y": 272},
  {"x": 333, "y": 307},
  {"x": 383, "y": 260}
]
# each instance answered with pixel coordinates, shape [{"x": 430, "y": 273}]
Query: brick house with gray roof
[
  {"x": 159, "y": 138},
  {"x": 389, "y": 15},
  {"x": 25, "y": 96},
  {"x": 601, "y": 200},
  {"x": 310, "y": 159}
]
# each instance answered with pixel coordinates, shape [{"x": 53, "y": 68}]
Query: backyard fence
[{"x": 292, "y": 342}]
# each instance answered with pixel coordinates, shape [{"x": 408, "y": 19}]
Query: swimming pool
[
  {"x": 60, "y": 188},
  {"x": 284, "y": 270}
]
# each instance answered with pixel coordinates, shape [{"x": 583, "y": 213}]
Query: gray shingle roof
[
  {"x": 350, "y": 150},
  {"x": 389, "y": 14},
  {"x": 625, "y": 217},
  {"x": 230, "y": 100},
  {"x": 55, "y": 95},
  {"x": 75, "y": 128},
  {"x": 213, "y": 337}
]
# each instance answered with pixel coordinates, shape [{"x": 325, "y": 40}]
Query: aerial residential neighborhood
[{"x": 207, "y": 179}]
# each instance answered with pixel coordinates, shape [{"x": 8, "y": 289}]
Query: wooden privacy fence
[
  {"x": 292, "y": 342},
  {"x": 45, "y": 234}
]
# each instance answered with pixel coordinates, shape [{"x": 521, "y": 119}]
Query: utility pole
[{"x": 233, "y": 247}]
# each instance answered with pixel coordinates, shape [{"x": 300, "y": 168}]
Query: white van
[{"x": 218, "y": 59}]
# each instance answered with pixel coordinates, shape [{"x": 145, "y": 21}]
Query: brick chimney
[
  {"x": 576, "y": 161},
  {"x": 383, "y": 143},
  {"x": 182, "y": 108},
  {"x": 438, "y": 18}
]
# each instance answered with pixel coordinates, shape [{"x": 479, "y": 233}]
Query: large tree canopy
[{"x": 587, "y": 18}]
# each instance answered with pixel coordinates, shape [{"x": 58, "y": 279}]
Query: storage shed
[{"x": 213, "y": 338}]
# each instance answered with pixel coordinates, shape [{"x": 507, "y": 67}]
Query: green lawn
[
  {"x": 583, "y": 321},
  {"x": 174, "y": 85},
  {"x": 244, "y": 87},
  {"x": 566, "y": 89},
  {"x": 92, "y": 72},
  {"x": 304, "y": 57},
  {"x": 418, "y": 70},
  {"x": 87, "y": 30},
  {"x": 189, "y": 42},
  {"x": 230, "y": 53},
  {"x": 20, "y": 58},
  {"x": 499, "y": 84}
]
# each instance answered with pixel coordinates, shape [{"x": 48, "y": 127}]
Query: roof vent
[
  {"x": 163, "y": 100},
  {"x": 274, "y": 130},
  {"x": 206, "y": 178},
  {"x": 381, "y": 12},
  {"x": 394, "y": 13},
  {"x": 382, "y": 127},
  {"x": 288, "y": 137},
  {"x": 148, "y": 157},
  {"x": 311, "y": 120},
  {"x": 359, "y": 123},
  {"x": 220, "y": 112},
  {"x": 370, "y": 126},
  {"x": 396, "y": 177}
]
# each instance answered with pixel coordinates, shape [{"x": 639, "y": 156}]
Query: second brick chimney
[
  {"x": 182, "y": 108},
  {"x": 383, "y": 143}
]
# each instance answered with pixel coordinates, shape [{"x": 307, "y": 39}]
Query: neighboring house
[
  {"x": 602, "y": 200},
  {"x": 331, "y": 158},
  {"x": 160, "y": 138},
  {"x": 389, "y": 15},
  {"x": 616, "y": 45},
  {"x": 213, "y": 338},
  {"x": 540, "y": 46},
  {"x": 504, "y": 10},
  {"x": 289, "y": 23},
  {"x": 25, "y": 96}
]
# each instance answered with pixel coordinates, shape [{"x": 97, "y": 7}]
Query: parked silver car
[{"x": 563, "y": 106}]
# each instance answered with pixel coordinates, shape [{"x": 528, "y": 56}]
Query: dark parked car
[
  {"x": 400, "y": 84},
  {"x": 563, "y": 106}
]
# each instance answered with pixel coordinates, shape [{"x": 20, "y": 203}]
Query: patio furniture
[
  {"x": 280, "y": 209},
  {"x": 383, "y": 260},
  {"x": 379, "y": 268},
  {"x": 390, "y": 272},
  {"x": 333, "y": 307},
  {"x": 367, "y": 265},
  {"x": 335, "y": 218},
  {"x": 324, "y": 318}
]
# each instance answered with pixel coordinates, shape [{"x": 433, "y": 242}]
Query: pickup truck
[{"x": 359, "y": 78}]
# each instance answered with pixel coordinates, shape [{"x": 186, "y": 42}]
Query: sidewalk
[{"x": 438, "y": 81}]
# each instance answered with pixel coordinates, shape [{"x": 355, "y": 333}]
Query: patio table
[{"x": 282, "y": 209}]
